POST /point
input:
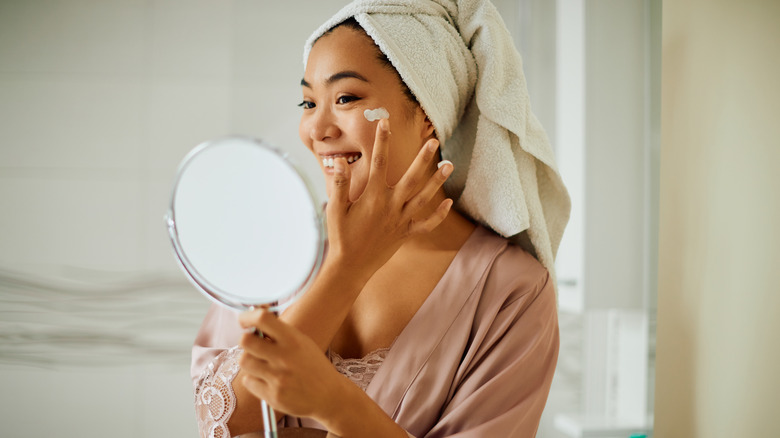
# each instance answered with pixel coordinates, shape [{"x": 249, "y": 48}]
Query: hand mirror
[
  {"x": 245, "y": 228},
  {"x": 244, "y": 224}
]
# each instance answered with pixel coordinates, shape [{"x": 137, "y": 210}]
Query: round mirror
[{"x": 245, "y": 225}]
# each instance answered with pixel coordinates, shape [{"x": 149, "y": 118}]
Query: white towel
[{"x": 458, "y": 59}]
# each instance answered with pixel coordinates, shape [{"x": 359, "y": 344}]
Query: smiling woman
[{"x": 451, "y": 324}]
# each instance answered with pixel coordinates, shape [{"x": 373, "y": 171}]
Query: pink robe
[{"x": 476, "y": 360}]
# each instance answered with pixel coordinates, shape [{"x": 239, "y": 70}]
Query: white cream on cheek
[
  {"x": 375, "y": 114},
  {"x": 371, "y": 115}
]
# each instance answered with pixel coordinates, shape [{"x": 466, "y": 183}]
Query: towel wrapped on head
[{"x": 459, "y": 61}]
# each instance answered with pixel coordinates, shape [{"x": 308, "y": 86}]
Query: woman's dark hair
[{"x": 354, "y": 25}]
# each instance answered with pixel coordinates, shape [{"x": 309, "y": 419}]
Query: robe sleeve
[
  {"x": 219, "y": 332},
  {"x": 502, "y": 386}
]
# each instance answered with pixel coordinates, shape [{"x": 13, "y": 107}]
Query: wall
[
  {"x": 99, "y": 101},
  {"x": 719, "y": 283},
  {"x": 616, "y": 158}
]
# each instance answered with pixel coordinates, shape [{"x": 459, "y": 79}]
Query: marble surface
[{"x": 68, "y": 317}]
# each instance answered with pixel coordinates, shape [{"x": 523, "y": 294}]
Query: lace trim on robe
[
  {"x": 360, "y": 371},
  {"x": 215, "y": 400}
]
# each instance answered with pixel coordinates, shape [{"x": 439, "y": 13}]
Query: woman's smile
[{"x": 328, "y": 159}]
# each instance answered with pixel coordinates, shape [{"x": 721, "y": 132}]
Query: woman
[{"x": 420, "y": 322}]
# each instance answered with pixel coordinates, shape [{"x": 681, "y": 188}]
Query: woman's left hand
[{"x": 286, "y": 368}]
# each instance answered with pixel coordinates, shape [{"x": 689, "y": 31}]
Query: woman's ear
[{"x": 427, "y": 130}]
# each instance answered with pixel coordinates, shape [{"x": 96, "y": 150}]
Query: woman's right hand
[{"x": 364, "y": 234}]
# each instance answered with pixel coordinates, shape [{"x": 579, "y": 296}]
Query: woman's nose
[{"x": 323, "y": 126}]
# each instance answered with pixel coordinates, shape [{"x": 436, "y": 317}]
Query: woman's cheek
[{"x": 362, "y": 130}]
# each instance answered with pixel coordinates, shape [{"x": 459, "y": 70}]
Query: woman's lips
[{"x": 328, "y": 160}]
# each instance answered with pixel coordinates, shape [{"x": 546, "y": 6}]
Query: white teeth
[{"x": 328, "y": 162}]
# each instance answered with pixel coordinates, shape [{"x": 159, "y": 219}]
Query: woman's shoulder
[{"x": 513, "y": 271}]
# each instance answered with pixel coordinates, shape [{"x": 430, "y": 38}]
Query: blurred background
[{"x": 100, "y": 100}]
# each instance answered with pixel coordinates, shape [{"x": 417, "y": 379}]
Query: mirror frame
[{"x": 213, "y": 292}]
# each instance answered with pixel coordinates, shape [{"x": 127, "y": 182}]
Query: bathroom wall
[
  {"x": 719, "y": 244},
  {"x": 99, "y": 101}
]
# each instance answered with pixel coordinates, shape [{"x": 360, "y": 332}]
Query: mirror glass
[{"x": 244, "y": 224}]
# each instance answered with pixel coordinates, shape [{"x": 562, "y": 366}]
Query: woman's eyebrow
[{"x": 339, "y": 76}]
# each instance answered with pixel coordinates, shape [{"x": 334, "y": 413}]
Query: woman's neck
[{"x": 450, "y": 235}]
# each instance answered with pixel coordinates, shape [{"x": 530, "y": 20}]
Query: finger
[
  {"x": 431, "y": 187},
  {"x": 256, "y": 346},
  {"x": 428, "y": 224},
  {"x": 267, "y": 323},
  {"x": 377, "y": 178},
  {"x": 248, "y": 319},
  {"x": 339, "y": 191},
  {"x": 411, "y": 180},
  {"x": 258, "y": 387},
  {"x": 254, "y": 365}
]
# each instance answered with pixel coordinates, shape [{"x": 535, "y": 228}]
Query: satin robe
[{"x": 476, "y": 360}]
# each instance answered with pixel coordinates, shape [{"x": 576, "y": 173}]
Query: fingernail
[
  {"x": 432, "y": 145},
  {"x": 446, "y": 167}
]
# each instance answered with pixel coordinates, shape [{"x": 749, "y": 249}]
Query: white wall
[
  {"x": 616, "y": 161},
  {"x": 719, "y": 283}
]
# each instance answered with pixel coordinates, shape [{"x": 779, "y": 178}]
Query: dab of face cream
[{"x": 376, "y": 114}]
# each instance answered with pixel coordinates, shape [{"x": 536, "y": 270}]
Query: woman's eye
[
  {"x": 346, "y": 99},
  {"x": 306, "y": 104}
]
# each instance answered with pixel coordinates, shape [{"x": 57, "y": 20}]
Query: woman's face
[{"x": 343, "y": 78}]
